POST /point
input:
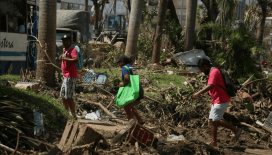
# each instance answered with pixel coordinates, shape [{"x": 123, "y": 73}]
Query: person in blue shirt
[{"x": 130, "y": 111}]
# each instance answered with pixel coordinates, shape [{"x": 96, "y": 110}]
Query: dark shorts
[{"x": 141, "y": 93}]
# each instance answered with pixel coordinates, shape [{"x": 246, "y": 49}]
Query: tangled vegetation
[{"x": 237, "y": 49}]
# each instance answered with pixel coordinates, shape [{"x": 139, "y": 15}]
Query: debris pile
[{"x": 171, "y": 113}]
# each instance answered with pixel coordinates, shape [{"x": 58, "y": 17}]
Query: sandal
[{"x": 237, "y": 135}]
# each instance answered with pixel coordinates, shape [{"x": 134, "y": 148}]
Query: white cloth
[{"x": 217, "y": 111}]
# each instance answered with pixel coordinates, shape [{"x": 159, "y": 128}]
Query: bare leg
[
  {"x": 227, "y": 125},
  {"x": 136, "y": 115},
  {"x": 131, "y": 112},
  {"x": 214, "y": 126},
  {"x": 66, "y": 104},
  {"x": 72, "y": 106},
  {"x": 128, "y": 111},
  {"x": 214, "y": 132}
]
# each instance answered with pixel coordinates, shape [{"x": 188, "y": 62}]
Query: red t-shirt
[
  {"x": 68, "y": 68},
  {"x": 218, "y": 94}
]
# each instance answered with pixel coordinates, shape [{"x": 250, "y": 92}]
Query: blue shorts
[
  {"x": 68, "y": 88},
  {"x": 217, "y": 111}
]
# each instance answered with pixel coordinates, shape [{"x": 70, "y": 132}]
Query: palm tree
[
  {"x": 190, "y": 24},
  {"x": 159, "y": 31},
  {"x": 134, "y": 28},
  {"x": 260, "y": 27}
]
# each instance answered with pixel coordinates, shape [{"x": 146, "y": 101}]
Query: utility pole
[
  {"x": 190, "y": 24},
  {"x": 86, "y": 5},
  {"x": 114, "y": 7},
  {"x": 134, "y": 28},
  {"x": 47, "y": 36}
]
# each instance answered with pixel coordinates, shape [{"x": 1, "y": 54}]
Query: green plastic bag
[{"x": 130, "y": 92}]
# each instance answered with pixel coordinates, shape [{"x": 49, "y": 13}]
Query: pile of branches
[{"x": 15, "y": 120}]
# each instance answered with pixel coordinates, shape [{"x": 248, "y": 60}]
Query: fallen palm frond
[{"x": 14, "y": 119}]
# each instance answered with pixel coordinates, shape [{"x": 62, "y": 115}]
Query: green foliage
[
  {"x": 173, "y": 29},
  {"x": 10, "y": 77},
  {"x": 145, "y": 40},
  {"x": 242, "y": 45},
  {"x": 147, "y": 33}
]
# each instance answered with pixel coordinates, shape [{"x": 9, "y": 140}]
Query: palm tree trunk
[
  {"x": 159, "y": 31},
  {"x": 261, "y": 25},
  {"x": 47, "y": 35},
  {"x": 96, "y": 14},
  {"x": 134, "y": 28},
  {"x": 190, "y": 24}
]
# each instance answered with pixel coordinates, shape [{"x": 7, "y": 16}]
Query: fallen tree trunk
[
  {"x": 103, "y": 108},
  {"x": 245, "y": 124}
]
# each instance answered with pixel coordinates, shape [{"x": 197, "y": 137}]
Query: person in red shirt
[
  {"x": 70, "y": 74},
  {"x": 220, "y": 99}
]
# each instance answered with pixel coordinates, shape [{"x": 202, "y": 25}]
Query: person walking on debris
[
  {"x": 130, "y": 111},
  {"x": 70, "y": 74},
  {"x": 220, "y": 99}
]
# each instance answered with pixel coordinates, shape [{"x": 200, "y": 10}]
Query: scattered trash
[
  {"x": 185, "y": 83},
  {"x": 101, "y": 78},
  {"x": 38, "y": 117},
  {"x": 91, "y": 116},
  {"x": 84, "y": 113},
  {"x": 142, "y": 135},
  {"x": 268, "y": 122},
  {"x": 190, "y": 58},
  {"x": 170, "y": 72},
  {"x": 115, "y": 112},
  {"x": 259, "y": 123},
  {"x": 175, "y": 137},
  {"x": 89, "y": 76}
]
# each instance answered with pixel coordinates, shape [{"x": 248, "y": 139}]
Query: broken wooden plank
[
  {"x": 120, "y": 135},
  {"x": 65, "y": 134},
  {"x": 71, "y": 138},
  {"x": 82, "y": 129}
]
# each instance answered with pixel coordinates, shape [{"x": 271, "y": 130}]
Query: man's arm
[
  {"x": 74, "y": 56},
  {"x": 73, "y": 60},
  {"x": 204, "y": 90}
]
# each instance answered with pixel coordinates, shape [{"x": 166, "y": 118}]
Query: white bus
[{"x": 13, "y": 36}]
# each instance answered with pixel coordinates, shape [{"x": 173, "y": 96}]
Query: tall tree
[
  {"x": 96, "y": 18},
  {"x": 134, "y": 28},
  {"x": 159, "y": 31},
  {"x": 47, "y": 37},
  {"x": 260, "y": 27},
  {"x": 190, "y": 24}
]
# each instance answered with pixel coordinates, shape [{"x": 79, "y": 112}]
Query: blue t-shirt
[{"x": 125, "y": 71}]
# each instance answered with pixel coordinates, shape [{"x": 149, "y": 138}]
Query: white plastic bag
[
  {"x": 175, "y": 137},
  {"x": 91, "y": 116}
]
